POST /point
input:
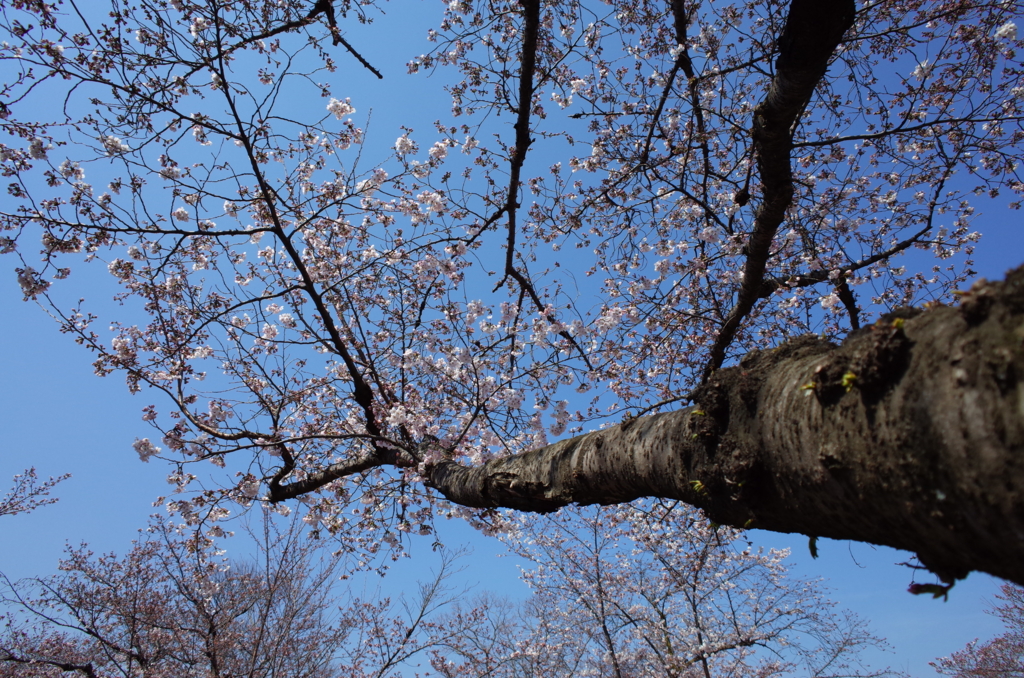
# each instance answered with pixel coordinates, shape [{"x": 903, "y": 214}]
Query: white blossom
[
  {"x": 340, "y": 108},
  {"x": 71, "y": 170},
  {"x": 181, "y": 214},
  {"x": 923, "y": 70},
  {"x": 432, "y": 200},
  {"x": 249, "y": 488},
  {"x": 37, "y": 149},
  {"x": 439, "y": 151},
  {"x": 366, "y": 187},
  {"x": 709, "y": 234},
  {"x": 113, "y": 145},
  {"x": 198, "y": 24},
  {"x": 1007, "y": 31},
  {"x": 198, "y": 132},
  {"x": 830, "y": 301},
  {"x": 31, "y": 284},
  {"x": 119, "y": 268},
  {"x": 404, "y": 145}
]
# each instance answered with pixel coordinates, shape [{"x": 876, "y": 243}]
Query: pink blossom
[
  {"x": 405, "y": 145},
  {"x": 145, "y": 449}
]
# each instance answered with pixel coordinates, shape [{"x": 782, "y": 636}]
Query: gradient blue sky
[{"x": 57, "y": 416}]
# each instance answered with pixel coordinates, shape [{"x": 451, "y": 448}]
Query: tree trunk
[{"x": 910, "y": 434}]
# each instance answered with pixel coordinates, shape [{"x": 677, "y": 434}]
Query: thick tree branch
[
  {"x": 812, "y": 33},
  {"x": 517, "y": 158},
  {"x": 314, "y": 481},
  {"x": 910, "y": 434},
  {"x": 523, "y": 140}
]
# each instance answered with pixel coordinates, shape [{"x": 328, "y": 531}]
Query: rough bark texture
[{"x": 910, "y": 434}]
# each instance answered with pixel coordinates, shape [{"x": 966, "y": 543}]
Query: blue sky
[{"x": 57, "y": 416}]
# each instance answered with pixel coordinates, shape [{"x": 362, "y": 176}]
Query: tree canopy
[
  {"x": 624, "y": 591},
  {"x": 1001, "y": 656},
  {"x": 636, "y": 212}
]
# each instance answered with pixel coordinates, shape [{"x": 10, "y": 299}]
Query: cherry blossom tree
[
  {"x": 666, "y": 214},
  {"x": 654, "y": 589},
  {"x": 635, "y": 590},
  {"x": 176, "y": 606},
  {"x": 27, "y": 493},
  {"x": 1000, "y": 657}
]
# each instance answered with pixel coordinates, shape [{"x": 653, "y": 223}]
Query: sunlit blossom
[
  {"x": 199, "y": 24},
  {"x": 145, "y": 449},
  {"x": 113, "y": 145},
  {"x": 32, "y": 285},
  {"x": 1007, "y": 31},
  {"x": 339, "y": 109},
  {"x": 71, "y": 170},
  {"x": 709, "y": 235},
  {"x": 923, "y": 70},
  {"x": 439, "y": 151},
  {"x": 404, "y": 145}
]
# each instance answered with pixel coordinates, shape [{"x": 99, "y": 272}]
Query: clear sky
[{"x": 57, "y": 416}]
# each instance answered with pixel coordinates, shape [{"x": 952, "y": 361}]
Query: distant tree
[
  {"x": 1001, "y": 657},
  {"x": 28, "y": 493},
  {"x": 631, "y": 591},
  {"x": 650, "y": 590},
  {"x": 175, "y": 606},
  {"x": 509, "y": 640},
  {"x": 656, "y": 590},
  {"x": 631, "y": 202}
]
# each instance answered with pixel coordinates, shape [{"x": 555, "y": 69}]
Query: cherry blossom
[
  {"x": 175, "y": 605},
  {"x": 1007, "y": 31},
  {"x": 145, "y": 449},
  {"x": 573, "y": 264},
  {"x": 654, "y": 589},
  {"x": 28, "y": 494},
  {"x": 339, "y": 109},
  {"x": 1000, "y": 656}
]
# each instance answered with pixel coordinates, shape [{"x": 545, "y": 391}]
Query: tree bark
[{"x": 909, "y": 434}]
